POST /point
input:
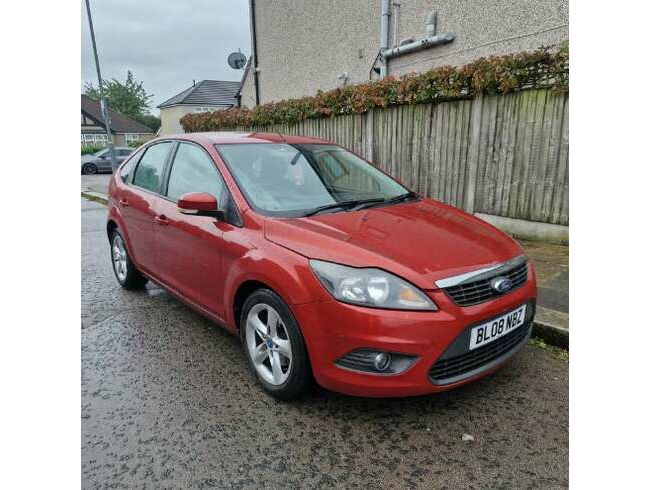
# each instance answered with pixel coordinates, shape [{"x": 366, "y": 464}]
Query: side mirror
[
  {"x": 103, "y": 157},
  {"x": 199, "y": 203}
]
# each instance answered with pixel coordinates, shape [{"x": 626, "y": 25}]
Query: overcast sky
[{"x": 165, "y": 43}]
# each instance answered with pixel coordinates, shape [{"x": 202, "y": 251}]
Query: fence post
[
  {"x": 472, "y": 153},
  {"x": 370, "y": 129}
]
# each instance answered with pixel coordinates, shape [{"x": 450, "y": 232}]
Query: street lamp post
[{"x": 102, "y": 101}]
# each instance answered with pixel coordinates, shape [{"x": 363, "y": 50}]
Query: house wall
[
  {"x": 247, "y": 90},
  {"x": 170, "y": 119},
  {"x": 170, "y": 116},
  {"x": 303, "y": 45}
]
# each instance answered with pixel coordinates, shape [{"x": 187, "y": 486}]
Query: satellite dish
[{"x": 237, "y": 60}]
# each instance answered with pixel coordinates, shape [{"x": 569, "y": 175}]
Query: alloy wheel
[
  {"x": 269, "y": 347},
  {"x": 119, "y": 258}
]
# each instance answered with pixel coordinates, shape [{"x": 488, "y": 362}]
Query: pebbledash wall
[
  {"x": 304, "y": 45},
  {"x": 502, "y": 157}
]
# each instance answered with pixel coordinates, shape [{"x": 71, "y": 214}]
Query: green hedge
[
  {"x": 136, "y": 144},
  {"x": 85, "y": 150},
  {"x": 546, "y": 67}
]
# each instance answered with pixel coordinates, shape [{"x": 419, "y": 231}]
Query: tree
[
  {"x": 150, "y": 121},
  {"x": 130, "y": 98}
]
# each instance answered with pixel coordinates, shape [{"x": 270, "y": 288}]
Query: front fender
[{"x": 293, "y": 281}]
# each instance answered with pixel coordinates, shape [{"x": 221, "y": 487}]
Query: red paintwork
[
  {"x": 204, "y": 261},
  {"x": 198, "y": 201}
]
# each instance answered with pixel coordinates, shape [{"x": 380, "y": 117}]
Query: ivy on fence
[{"x": 545, "y": 67}]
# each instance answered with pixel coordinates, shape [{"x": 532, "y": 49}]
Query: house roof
[
  {"x": 119, "y": 122},
  {"x": 206, "y": 92}
]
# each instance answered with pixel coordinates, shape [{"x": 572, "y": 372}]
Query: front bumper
[{"x": 332, "y": 329}]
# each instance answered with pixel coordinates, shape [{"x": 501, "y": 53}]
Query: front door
[
  {"x": 189, "y": 247},
  {"x": 137, "y": 202}
]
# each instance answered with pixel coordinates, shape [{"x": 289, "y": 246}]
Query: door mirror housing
[{"x": 199, "y": 203}]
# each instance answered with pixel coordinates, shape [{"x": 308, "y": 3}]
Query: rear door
[
  {"x": 189, "y": 247},
  {"x": 137, "y": 203}
]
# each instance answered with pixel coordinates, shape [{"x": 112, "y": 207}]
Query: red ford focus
[{"x": 321, "y": 263}]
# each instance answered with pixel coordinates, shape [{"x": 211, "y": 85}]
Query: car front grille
[
  {"x": 473, "y": 293},
  {"x": 452, "y": 369}
]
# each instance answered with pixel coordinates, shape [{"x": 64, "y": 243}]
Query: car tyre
[
  {"x": 284, "y": 342},
  {"x": 125, "y": 272},
  {"x": 89, "y": 169}
]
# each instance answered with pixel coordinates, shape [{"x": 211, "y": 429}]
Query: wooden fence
[{"x": 505, "y": 155}]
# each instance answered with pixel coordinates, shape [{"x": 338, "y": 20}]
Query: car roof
[{"x": 223, "y": 137}]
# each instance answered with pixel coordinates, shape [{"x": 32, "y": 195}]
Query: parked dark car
[{"x": 101, "y": 161}]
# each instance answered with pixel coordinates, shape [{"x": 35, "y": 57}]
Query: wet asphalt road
[{"x": 167, "y": 401}]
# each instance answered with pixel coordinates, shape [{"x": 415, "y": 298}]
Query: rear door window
[{"x": 149, "y": 172}]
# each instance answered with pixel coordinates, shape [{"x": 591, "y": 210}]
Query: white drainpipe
[
  {"x": 430, "y": 41},
  {"x": 383, "y": 35}
]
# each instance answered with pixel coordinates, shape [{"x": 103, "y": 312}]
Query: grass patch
[
  {"x": 557, "y": 352},
  {"x": 90, "y": 197}
]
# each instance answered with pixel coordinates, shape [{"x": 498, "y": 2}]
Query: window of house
[
  {"x": 193, "y": 171},
  {"x": 131, "y": 138},
  {"x": 93, "y": 139},
  {"x": 149, "y": 171}
]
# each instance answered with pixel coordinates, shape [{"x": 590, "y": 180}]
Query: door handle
[
  {"x": 124, "y": 203},
  {"x": 161, "y": 220}
]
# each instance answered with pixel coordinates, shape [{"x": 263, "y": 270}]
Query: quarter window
[
  {"x": 193, "y": 171},
  {"x": 149, "y": 172}
]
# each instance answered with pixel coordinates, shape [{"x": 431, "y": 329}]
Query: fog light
[
  {"x": 366, "y": 360},
  {"x": 382, "y": 361}
]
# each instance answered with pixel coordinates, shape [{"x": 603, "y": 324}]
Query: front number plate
[{"x": 492, "y": 330}]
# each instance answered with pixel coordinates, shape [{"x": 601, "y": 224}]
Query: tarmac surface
[{"x": 168, "y": 401}]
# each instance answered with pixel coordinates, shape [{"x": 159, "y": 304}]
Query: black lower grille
[
  {"x": 473, "y": 293},
  {"x": 445, "y": 370}
]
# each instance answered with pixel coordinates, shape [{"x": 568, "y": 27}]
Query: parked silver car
[{"x": 101, "y": 161}]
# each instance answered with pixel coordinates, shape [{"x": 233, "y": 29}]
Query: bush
[
  {"x": 136, "y": 144},
  {"x": 545, "y": 67},
  {"x": 85, "y": 150}
]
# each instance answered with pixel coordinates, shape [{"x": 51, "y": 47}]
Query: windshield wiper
[
  {"x": 401, "y": 197},
  {"x": 393, "y": 200},
  {"x": 343, "y": 204}
]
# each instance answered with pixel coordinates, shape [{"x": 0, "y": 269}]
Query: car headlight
[{"x": 370, "y": 287}]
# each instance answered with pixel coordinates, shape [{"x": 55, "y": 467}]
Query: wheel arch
[
  {"x": 115, "y": 221},
  {"x": 111, "y": 226},
  {"x": 244, "y": 290}
]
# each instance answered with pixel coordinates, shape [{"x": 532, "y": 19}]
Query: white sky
[{"x": 165, "y": 43}]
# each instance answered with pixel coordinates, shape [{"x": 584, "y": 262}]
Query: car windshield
[
  {"x": 301, "y": 180},
  {"x": 100, "y": 152}
]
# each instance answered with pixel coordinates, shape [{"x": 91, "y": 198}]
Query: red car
[{"x": 323, "y": 265}]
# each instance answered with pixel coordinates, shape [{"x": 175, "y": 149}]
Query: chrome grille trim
[
  {"x": 491, "y": 271},
  {"x": 478, "y": 288}
]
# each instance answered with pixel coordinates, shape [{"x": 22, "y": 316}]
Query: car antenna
[{"x": 281, "y": 137}]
